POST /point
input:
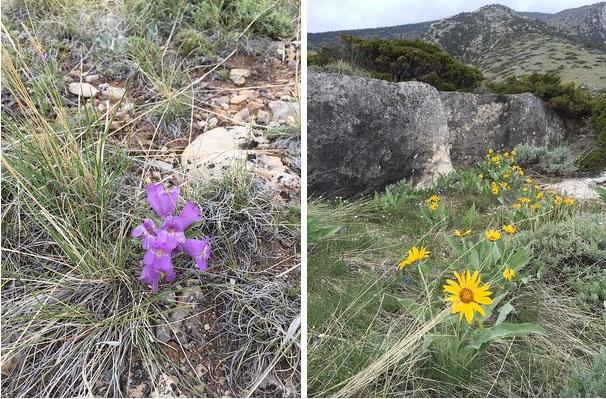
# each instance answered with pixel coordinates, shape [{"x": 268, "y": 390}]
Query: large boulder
[
  {"x": 480, "y": 121},
  {"x": 364, "y": 134}
]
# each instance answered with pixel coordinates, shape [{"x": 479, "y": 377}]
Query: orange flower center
[{"x": 466, "y": 295}]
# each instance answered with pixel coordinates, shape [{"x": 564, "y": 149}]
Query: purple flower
[
  {"x": 44, "y": 56},
  {"x": 162, "y": 202},
  {"x": 169, "y": 239},
  {"x": 199, "y": 250}
]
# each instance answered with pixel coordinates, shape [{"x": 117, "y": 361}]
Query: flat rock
[
  {"x": 580, "y": 188},
  {"x": 82, "y": 89}
]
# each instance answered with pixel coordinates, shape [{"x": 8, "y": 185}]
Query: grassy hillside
[{"x": 378, "y": 322}]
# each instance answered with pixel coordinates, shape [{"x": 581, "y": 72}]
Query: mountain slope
[{"x": 503, "y": 42}]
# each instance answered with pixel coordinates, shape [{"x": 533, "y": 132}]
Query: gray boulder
[
  {"x": 480, "y": 121},
  {"x": 364, "y": 134}
]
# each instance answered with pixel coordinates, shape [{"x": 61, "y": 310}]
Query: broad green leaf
[
  {"x": 503, "y": 330},
  {"x": 454, "y": 244},
  {"x": 496, "y": 253},
  {"x": 474, "y": 259},
  {"x": 519, "y": 259},
  {"x": 504, "y": 312}
]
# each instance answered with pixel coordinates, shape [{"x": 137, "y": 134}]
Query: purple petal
[
  {"x": 163, "y": 263},
  {"x": 189, "y": 215},
  {"x": 202, "y": 263},
  {"x": 194, "y": 247},
  {"x": 164, "y": 241},
  {"x": 162, "y": 202},
  {"x": 147, "y": 228},
  {"x": 148, "y": 259},
  {"x": 150, "y": 276},
  {"x": 174, "y": 229}
]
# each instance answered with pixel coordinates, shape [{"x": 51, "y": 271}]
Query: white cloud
[{"x": 326, "y": 15}]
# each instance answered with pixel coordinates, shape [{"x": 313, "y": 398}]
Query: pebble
[{"x": 82, "y": 89}]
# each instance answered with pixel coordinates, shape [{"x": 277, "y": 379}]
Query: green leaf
[
  {"x": 454, "y": 244},
  {"x": 474, "y": 259},
  {"x": 495, "y": 252},
  {"x": 519, "y": 259},
  {"x": 503, "y": 330},
  {"x": 504, "y": 312},
  {"x": 489, "y": 308}
]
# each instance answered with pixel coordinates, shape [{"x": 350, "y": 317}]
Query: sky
[{"x": 328, "y": 15}]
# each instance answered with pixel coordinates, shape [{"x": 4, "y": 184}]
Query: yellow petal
[
  {"x": 478, "y": 308},
  {"x": 460, "y": 279}
]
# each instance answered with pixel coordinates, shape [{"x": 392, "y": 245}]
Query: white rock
[
  {"x": 243, "y": 115},
  {"x": 82, "y": 89},
  {"x": 92, "y": 78},
  {"x": 238, "y": 76},
  {"x": 111, "y": 92}
]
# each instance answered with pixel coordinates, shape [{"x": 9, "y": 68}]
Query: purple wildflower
[
  {"x": 161, "y": 243},
  {"x": 162, "y": 202},
  {"x": 199, "y": 250},
  {"x": 44, "y": 56}
]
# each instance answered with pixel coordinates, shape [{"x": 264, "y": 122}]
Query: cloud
[{"x": 327, "y": 15}]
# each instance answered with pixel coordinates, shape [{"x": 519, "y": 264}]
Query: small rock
[
  {"x": 238, "y": 76},
  {"x": 200, "y": 125},
  {"x": 82, "y": 89},
  {"x": 207, "y": 327},
  {"x": 161, "y": 165},
  {"x": 281, "y": 110},
  {"x": 263, "y": 117},
  {"x": 127, "y": 107},
  {"x": 111, "y": 92},
  {"x": 213, "y": 122},
  {"x": 254, "y": 106},
  {"x": 243, "y": 115},
  {"x": 92, "y": 78},
  {"x": 225, "y": 106},
  {"x": 238, "y": 99}
]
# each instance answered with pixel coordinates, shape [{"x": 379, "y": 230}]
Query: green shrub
[
  {"x": 567, "y": 99},
  {"x": 574, "y": 250},
  {"x": 597, "y": 158},
  {"x": 555, "y": 161},
  {"x": 345, "y": 68},
  {"x": 402, "y": 60},
  {"x": 588, "y": 384},
  {"x": 191, "y": 42}
]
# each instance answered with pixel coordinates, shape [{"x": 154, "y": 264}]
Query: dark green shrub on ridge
[{"x": 403, "y": 60}]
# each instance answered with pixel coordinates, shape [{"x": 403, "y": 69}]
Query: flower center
[{"x": 466, "y": 295}]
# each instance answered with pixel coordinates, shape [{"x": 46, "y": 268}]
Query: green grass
[
  {"x": 76, "y": 320},
  {"x": 355, "y": 319}
]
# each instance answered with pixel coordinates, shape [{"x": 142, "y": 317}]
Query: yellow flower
[
  {"x": 569, "y": 201},
  {"x": 513, "y": 153},
  {"x": 462, "y": 233},
  {"x": 557, "y": 200},
  {"x": 517, "y": 205},
  {"x": 540, "y": 195},
  {"x": 433, "y": 206},
  {"x": 490, "y": 151},
  {"x": 520, "y": 172},
  {"x": 414, "y": 255},
  {"x": 492, "y": 235},
  {"x": 466, "y": 295},
  {"x": 505, "y": 185},
  {"x": 535, "y": 206},
  {"x": 434, "y": 198},
  {"x": 506, "y": 175},
  {"x": 537, "y": 187},
  {"x": 481, "y": 176},
  {"x": 494, "y": 187},
  {"x": 506, "y": 154},
  {"x": 528, "y": 180},
  {"x": 524, "y": 200},
  {"x": 508, "y": 274},
  {"x": 496, "y": 159},
  {"x": 509, "y": 229},
  {"x": 525, "y": 189}
]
